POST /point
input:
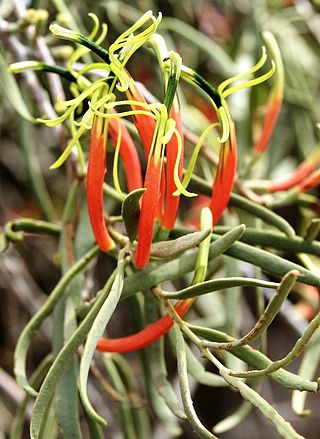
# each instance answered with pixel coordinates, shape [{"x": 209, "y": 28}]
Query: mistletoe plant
[{"x": 143, "y": 217}]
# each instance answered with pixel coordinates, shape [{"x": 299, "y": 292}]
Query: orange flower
[
  {"x": 128, "y": 153},
  {"x": 225, "y": 176},
  {"x": 146, "y": 336},
  {"x": 95, "y": 177},
  {"x": 172, "y": 201}
]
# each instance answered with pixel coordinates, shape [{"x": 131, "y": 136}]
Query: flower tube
[
  {"x": 310, "y": 182},
  {"x": 150, "y": 199},
  {"x": 299, "y": 174},
  {"x": 128, "y": 153},
  {"x": 225, "y": 175},
  {"x": 276, "y": 96},
  {"x": 145, "y": 124},
  {"x": 146, "y": 336},
  {"x": 95, "y": 177}
]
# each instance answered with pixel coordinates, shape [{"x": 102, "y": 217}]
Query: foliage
[{"x": 184, "y": 170}]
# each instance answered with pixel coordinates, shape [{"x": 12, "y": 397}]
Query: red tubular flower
[
  {"x": 269, "y": 124},
  {"x": 95, "y": 178},
  {"x": 145, "y": 124},
  {"x": 149, "y": 203},
  {"x": 172, "y": 202},
  {"x": 128, "y": 153},
  {"x": 310, "y": 182},
  {"x": 224, "y": 179},
  {"x": 146, "y": 336},
  {"x": 276, "y": 96},
  {"x": 299, "y": 174}
]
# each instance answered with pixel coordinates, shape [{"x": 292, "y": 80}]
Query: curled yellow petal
[{"x": 180, "y": 188}]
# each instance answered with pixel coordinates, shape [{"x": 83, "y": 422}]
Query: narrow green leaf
[
  {"x": 195, "y": 368},
  {"x": 169, "y": 249},
  {"x": 49, "y": 427},
  {"x": 273, "y": 239},
  {"x": 218, "y": 285},
  {"x": 11, "y": 90},
  {"x": 4, "y": 243},
  {"x": 193, "y": 419},
  {"x": 206, "y": 222},
  {"x": 95, "y": 430},
  {"x": 35, "y": 381},
  {"x": 313, "y": 230},
  {"x": 23, "y": 343},
  {"x": 307, "y": 370},
  {"x": 283, "y": 427},
  {"x": 63, "y": 360},
  {"x": 164, "y": 416},
  {"x": 66, "y": 397},
  {"x": 269, "y": 262},
  {"x": 156, "y": 359},
  {"x": 95, "y": 333},
  {"x": 179, "y": 266},
  {"x": 256, "y": 359},
  {"x": 267, "y": 316},
  {"x": 130, "y": 212},
  {"x": 125, "y": 412},
  {"x": 137, "y": 405}
]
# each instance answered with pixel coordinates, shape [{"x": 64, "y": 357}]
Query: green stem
[
  {"x": 256, "y": 359},
  {"x": 200, "y": 185}
]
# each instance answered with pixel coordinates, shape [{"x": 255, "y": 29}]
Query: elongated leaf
[
  {"x": 66, "y": 397},
  {"x": 160, "y": 410},
  {"x": 179, "y": 266},
  {"x": 256, "y": 359},
  {"x": 269, "y": 313},
  {"x": 167, "y": 249},
  {"x": 185, "y": 389},
  {"x": 95, "y": 333},
  {"x": 218, "y": 285},
  {"x": 11, "y": 90},
  {"x": 35, "y": 380},
  {"x": 62, "y": 360},
  {"x": 156, "y": 358},
  {"x": 269, "y": 238},
  {"x": 283, "y": 427},
  {"x": 195, "y": 368},
  {"x": 125, "y": 412},
  {"x": 270, "y": 262},
  {"x": 25, "y": 338},
  {"x": 130, "y": 212},
  {"x": 307, "y": 369}
]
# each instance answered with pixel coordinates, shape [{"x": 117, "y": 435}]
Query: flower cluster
[{"x": 96, "y": 107}]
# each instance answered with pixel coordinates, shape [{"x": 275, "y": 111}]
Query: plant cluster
[{"x": 181, "y": 220}]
